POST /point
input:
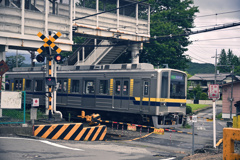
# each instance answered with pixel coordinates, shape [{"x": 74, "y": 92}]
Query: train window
[
  {"x": 145, "y": 88},
  {"x": 7, "y": 85},
  {"x": 89, "y": 87},
  {"x": 75, "y": 86},
  {"x": 60, "y": 86},
  {"x": 38, "y": 85},
  {"x": 118, "y": 87},
  {"x": 65, "y": 86},
  {"x": 28, "y": 84},
  {"x": 103, "y": 87},
  {"x": 18, "y": 85},
  {"x": 177, "y": 87},
  {"x": 164, "y": 89},
  {"x": 125, "y": 88}
]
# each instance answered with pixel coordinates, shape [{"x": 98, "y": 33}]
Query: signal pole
[
  {"x": 50, "y": 79},
  {"x": 49, "y": 63}
]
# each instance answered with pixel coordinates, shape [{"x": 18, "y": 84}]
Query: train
[{"x": 134, "y": 93}]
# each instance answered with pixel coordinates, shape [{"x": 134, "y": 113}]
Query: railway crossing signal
[
  {"x": 47, "y": 47},
  {"x": 50, "y": 81},
  {"x": 49, "y": 42}
]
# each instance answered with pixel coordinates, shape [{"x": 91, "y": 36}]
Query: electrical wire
[
  {"x": 216, "y": 39},
  {"x": 218, "y": 14}
]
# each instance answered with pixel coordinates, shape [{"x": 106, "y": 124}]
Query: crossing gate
[{"x": 71, "y": 131}]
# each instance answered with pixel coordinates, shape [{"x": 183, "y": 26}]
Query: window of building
[
  {"x": 103, "y": 87},
  {"x": 75, "y": 86},
  {"x": 38, "y": 85},
  {"x": 89, "y": 87}
]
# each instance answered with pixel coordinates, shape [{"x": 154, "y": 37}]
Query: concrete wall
[{"x": 219, "y": 102}]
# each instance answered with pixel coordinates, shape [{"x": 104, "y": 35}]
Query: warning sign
[
  {"x": 131, "y": 128},
  {"x": 213, "y": 91},
  {"x": 158, "y": 131},
  {"x": 35, "y": 102}
]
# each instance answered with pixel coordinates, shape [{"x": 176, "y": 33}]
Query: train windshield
[{"x": 177, "y": 85}]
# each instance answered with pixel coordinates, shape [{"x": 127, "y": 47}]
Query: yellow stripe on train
[{"x": 161, "y": 100}]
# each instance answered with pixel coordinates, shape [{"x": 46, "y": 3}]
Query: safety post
[
  {"x": 194, "y": 120},
  {"x": 229, "y": 136},
  {"x": 214, "y": 94}
]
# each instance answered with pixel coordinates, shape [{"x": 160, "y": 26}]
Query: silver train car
[{"x": 133, "y": 93}]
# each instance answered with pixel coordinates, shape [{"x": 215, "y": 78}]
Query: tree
[
  {"x": 197, "y": 91},
  {"x": 169, "y": 17},
  {"x": 228, "y": 59},
  {"x": 11, "y": 61}
]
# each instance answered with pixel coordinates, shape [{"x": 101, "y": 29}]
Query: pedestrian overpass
[{"x": 126, "y": 27}]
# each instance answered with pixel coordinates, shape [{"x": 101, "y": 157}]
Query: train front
[{"x": 171, "y": 93}]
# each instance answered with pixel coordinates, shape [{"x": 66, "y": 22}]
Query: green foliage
[
  {"x": 219, "y": 116},
  {"x": 228, "y": 59},
  {"x": 197, "y": 92},
  {"x": 11, "y": 61},
  {"x": 195, "y": 68},
  {"x": 188, "y": 109},
  {"x": 187, "y": 126},
  {"x": 169, "y": 17},
  {"x": 203, "y": 96},
  {"x": 197, "y": 106},
  {"x": 17, "y": 114}
]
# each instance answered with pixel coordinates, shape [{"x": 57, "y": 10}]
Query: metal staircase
[{"x": 106, "y": 53}]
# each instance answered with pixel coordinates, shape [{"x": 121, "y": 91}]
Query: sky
[{"x": 205, "y": 45}]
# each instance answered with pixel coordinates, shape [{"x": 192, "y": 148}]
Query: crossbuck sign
[{"x": 213, "y": 92}]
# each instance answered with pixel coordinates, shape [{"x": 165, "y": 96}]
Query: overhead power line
[
  {"x": 218, "y": 14},
  {"x": 216, "y": 39}
]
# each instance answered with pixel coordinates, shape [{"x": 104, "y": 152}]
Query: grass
[
  {"x": 219, "y": 116},
  {"x": 197, "y": 106},
  {"x": 18, "y": 114},
  {"x": 187, "y": 126}
]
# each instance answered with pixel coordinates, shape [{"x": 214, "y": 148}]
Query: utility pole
[{"x": 215, "y": 79}]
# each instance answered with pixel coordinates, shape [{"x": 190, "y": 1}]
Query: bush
[
  {"x": 204, "y": 96},
  {"x": 188, "y": 110}
]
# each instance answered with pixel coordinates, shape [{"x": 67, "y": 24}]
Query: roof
[{"x": 208, "y": 77}]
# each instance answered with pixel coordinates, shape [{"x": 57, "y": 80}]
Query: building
[
  {"x": 230, "y": 91},
  {"x": 205, "y": 79}
]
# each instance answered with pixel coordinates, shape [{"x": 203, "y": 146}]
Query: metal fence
[{"x": 13, "y": 109}]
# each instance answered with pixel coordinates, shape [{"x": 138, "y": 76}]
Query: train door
[
  {"x": 89, "y": 92},
  {"x": 62, "y": 91},
  {"x": 145, "y": 99},
  {"x": 121, "y": 93}
]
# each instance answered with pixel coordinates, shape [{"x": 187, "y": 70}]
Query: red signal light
[{"x": 58, "y": 58}]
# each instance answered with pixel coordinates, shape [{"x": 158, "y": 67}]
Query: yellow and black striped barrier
[{"x": 71, "y": 131}]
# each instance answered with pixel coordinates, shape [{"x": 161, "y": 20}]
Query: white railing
[{"x": 97, "y": 52}]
